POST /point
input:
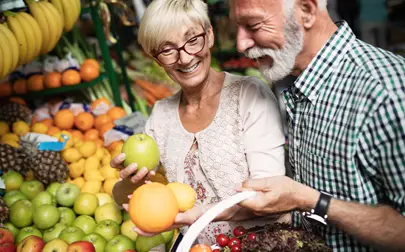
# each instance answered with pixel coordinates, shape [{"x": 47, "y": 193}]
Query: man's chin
[{"x": 271, "y": 75}]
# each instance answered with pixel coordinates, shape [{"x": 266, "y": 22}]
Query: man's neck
[{"x": 314, "y": 40}]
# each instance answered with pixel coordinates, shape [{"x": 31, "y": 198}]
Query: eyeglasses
[{"x": 192, "y": 47}]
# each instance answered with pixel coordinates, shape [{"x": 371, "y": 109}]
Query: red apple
[
  {"x": 6, "y": 236},
  {"x": 7, "y": 247},
  {"x": 31, "y": 243},
  {"x": 130, "y": 250},
  {"x": 81, "y": 246}
]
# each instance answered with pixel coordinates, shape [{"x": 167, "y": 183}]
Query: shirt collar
[{"x": 310, "y": 82}]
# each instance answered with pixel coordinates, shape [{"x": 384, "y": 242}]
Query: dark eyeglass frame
[{"x": 178, "y": 49}]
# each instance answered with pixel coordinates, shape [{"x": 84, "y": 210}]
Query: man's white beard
[{"x": 284, "y": 58}]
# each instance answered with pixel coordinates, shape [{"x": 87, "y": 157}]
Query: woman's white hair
[{"x": 163, "y": 18}]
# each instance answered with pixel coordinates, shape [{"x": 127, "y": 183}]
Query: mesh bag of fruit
[{"x": 269, "y": 238}]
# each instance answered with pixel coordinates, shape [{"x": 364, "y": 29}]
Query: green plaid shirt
[{"x": 346, "y": 120}]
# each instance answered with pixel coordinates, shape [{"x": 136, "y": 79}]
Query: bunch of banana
[
  {"x": 9, "y": 51},
  {"x": 50, "y": 23},
  {"x": 69, "y": 10}
]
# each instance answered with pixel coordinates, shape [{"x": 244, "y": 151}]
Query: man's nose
[{"x": 243, "y": 40}]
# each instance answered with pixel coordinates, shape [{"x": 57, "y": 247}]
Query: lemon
[
  {"x": 88, "y": 148},
  {"x": 10, "y": 136},
  {"x": 11, "y": 143},
  {"x": 79, "y": 182},
  {"x": 99, "y": 153},
  {"x": 93, "y": 175},
  {"x": 109, "y": 185},
  {"x": 91, "y": 186},
  {"x": 39, "y": 128},
  {"x": 185, "y": 195},
  {"x": 4, "y": 128},
  {"x": 76, "y": 169},
  {"x": 106, "y": 159},
  {"x": 91, "y": 163},
  {"x": 108, "y": 172},
  {"x": 71, "y": 155},
  {"x": 21, "y": 128},
  {"x": 77, "y": 142}
]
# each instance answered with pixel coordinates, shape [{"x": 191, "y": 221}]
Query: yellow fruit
[
  {"x": 11, "y": 143},
  {"x": 109, "y": 185},
  {"x": 39, "y": 128},
  {"x": 21, "y": 128},
  {"x": 99, "y": 153},
  {"x": 4, "y": 128},
  {"x": 69, "y": 143},
  {"x": 69, "y": 180},
  {"x": 91, "y": 163},
  {"x": 77, "y": 169},
  {"x": 79, "y": 182},
  {"x": 71, "y": 155},
  {"x": 106, "y": 160},
  {"x": 185, "y": 195},
  {"x": 88, "y": 149},
  {"x": 77, "y": 142},
  {"x": 93, "y": 175},
  {"x": 91, "y": 186},
  {"x": 108, "y": 172},
  {"x": 10, "y": 136}
]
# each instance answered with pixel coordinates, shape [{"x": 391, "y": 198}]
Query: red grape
[
  {"x": 252, "y": 237},
  {"x": 236, "y": 248},
  {"x": 239, "y": 231},
  {"x": 222, "y": 240},
  {"x": 216, "y": 250},
  {"x": 233, "y": 241}
]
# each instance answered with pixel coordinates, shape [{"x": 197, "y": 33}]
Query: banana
[
  {"x": 57, "y": 18},
  {"x": 53, "y": 28},
  {"x": 13, "y": 44},
  {"x": 78, "y": 10},
  {"x": 58, "y": 5},
  {"x": 1, "y": 64},
  {"x": 16, "y": 28},
  {"x": 69, "y": 20},
  {"x": 7, "y": 55},
  {"x": 38, "y": 14},
  {"x": 36, "y": 30},
  {"x": 29, "y": 35}
]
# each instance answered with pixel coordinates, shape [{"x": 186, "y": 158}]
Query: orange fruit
[
  {"x": 18, "y": 100},
  {"x": 101, "y": 120},
  {"x": 52, "y": 130},
  {"x": 97, "y": 102},
  {"x": 114, "y": 145},
  {"x": 116, "y": 113},
  {"x": 20, "y": 86},
  {"x": 91, "y": 135},
  {"x": 201, "y": 248},
  {"x": 48, "y": 122},
  {"x": 35, "y": 82},
  {"x": 77, "y": 134},
  {"x": 89, "y": 72},
  {"x": 70, "y": 77},
  {"x": 53, "y": 80},
  {"x": 84, "y": 121},
  {"x": 104, "y": 128},
  {"x": 99, "y": 142},
  {"x": 64, "y": 119},
  {"x": 5, "y": 89},
  {"x": 153, "y": 207},
  {"x": 92, "y": 62}
]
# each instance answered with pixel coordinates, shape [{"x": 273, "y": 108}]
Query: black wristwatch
[{"x": 320, "y": 212}]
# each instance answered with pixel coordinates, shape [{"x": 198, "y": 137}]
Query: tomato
[
  {"x": 201, "y": 248},
  {"x": 216, "y": 250},
  {"x": 252, "y": 237},
  {"x": 222, "y": 240},
  {"x": 233, "y": 241},
  {"x": 236, "y": 248},
  {"x": 239, "y": 231}
]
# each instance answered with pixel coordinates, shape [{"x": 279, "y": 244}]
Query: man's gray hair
[{"x": 289, "y": 5}]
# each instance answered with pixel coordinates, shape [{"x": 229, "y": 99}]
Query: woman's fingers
[
  {"x": 141, "y": 174},
  {"x": 128, "y": 171},
  {"x": 150, "y": 175},
  {"x": 117, "y": 161},
  {"x": 140, "y": 232}
]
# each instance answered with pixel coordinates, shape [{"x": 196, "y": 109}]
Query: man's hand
[{"x": 277, "y": 195}]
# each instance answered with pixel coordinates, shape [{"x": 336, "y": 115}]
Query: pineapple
[
  {"x": 11, "y": 112},
  {"x": 3, "y": 211},
  {"x": 11, "y": 158}
]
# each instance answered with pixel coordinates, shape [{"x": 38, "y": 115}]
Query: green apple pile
[{"x": 60, "y": 216}]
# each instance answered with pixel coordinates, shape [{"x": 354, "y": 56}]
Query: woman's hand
[{"x": 125, "y": 172}]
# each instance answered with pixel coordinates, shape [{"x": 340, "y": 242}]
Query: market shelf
[{"x": 65, "y": 89}]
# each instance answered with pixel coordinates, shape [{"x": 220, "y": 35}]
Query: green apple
[
  {"x": 85, "y": 223},
  {"x": 86, "y": 203},
  {"x": 107, "y": 229},
  {"x": 142, "y": 150},
  {"x": 67, "y": 194},
  {"x": 46, "y": 216},
  {"x": 21, "y": 213},
  {"x": 67, "y": 216},
  {"x": 13, "y": 229},
  {"x": 168, "y": 235},
  {"x": 43, "y": 198},
  {"x": 104, "y": 198},
  {"x": 125, "y": 215},
  {"x": 71, "y": 234},
  {"x": 119, "y": 243},
  {"x": 25, "y": 232},
  {"x": 127, "y": 229},
  {"x": 31, "y": 188},
  {"x": 98, "y": 241},
  {"x": 13, "y": 196},
  {"x": 53, "y": 187},
  {"x": 12, "y": 180},
  {"x": 109, "y": 211},
  {"x": 145, "y": 244},
  {"x": 53, "y": 232},
  {"x": 56, "y": 245}
]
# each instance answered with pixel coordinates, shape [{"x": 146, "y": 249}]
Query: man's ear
[{"x": 309, "y": 9}]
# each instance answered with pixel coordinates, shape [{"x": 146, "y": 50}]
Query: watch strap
[{"x": 322, "y": 205}]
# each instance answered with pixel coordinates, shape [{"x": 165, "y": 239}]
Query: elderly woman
[{"x": 220, "y": 129}]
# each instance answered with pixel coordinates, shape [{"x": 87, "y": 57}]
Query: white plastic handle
[{"x": 210, "y": 215}]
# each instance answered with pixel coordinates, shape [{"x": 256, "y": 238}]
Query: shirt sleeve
[
  {"x": 262, "y": 129},
  {"x": 383, "y": 141}
]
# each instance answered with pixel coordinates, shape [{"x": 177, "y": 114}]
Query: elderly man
[{"x": 346, "y": 119}]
